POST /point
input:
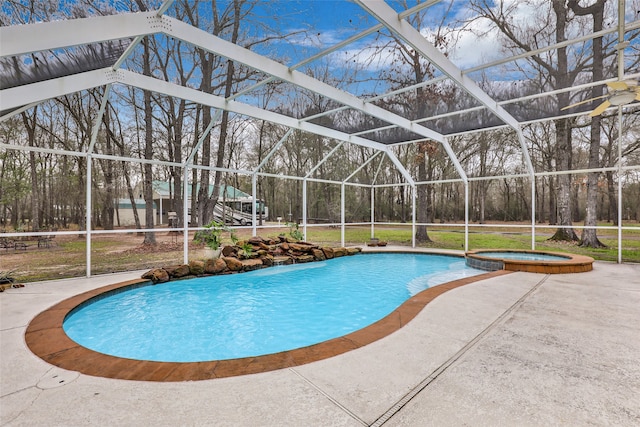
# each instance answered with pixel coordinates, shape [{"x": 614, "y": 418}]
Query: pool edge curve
[{"x": 45, "y": 337}]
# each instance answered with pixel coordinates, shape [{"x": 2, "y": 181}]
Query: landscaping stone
[
  {"x": 318, "y": 254},
  {"x": 328, "y": 252},
  {"x": 282, "y": 260},
  {"x": 251, "y": 264},
  {"x": 267, "y": 260},
  {"x": 178, "y": 271},
  {"x": 338, "y": 252},
  {"x": 215, "y": 266},
  {"x": 302, "y": 247},
  {"x": 234, "y": 264},
  {"x": 353, "y": 251},
  {"x": 196, "y": 267},
  {"x": 157, "y": 275},
  {"x": 265, "y": 253},
  {"x": 229, "y": 251}
]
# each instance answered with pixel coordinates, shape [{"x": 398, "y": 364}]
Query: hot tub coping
[{"x": 571, "y": 264}]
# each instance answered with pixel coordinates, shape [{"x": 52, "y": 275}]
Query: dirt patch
[{"x": 159, "y": 247}]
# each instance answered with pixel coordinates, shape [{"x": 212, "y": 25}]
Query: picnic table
[
  {"x": 45, "y": 241},
  {"x": 7, "y": 244},
  {"x": 22, "y": 244}
]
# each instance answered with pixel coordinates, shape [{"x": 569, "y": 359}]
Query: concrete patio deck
[{"x": 519, "y": 349}]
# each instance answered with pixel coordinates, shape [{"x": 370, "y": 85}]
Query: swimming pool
[{"x": 256, "y": 313}]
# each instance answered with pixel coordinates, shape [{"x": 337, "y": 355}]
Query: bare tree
[
  {"x": 149, "y": 220},
  {"x": 527, "y": 38},
  {"x": 589, "y": 237},
  {"x": 408, "y": 67}
]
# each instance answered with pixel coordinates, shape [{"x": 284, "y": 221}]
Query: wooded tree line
[{"x": 45, "y": 189}]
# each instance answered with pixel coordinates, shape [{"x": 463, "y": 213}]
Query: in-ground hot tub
[{"x": 531, "y": 261}]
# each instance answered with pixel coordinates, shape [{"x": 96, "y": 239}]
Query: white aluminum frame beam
[
  {"x": 181, "y": 92},
  {"x": 17, "y": 97},
  {"x": 73, "y": 32},
  {"x": 59, "y": 34},
  {"x": 19, "y": 110},
  {"x": 274, "y": 150},
  {"x": 324, "y": 159},
  {"x": 369, "y": 160},
  {"x": 53, "y": 35},
  {"x": 98, "y": 120},
  {"x": 218, "y": 46}
]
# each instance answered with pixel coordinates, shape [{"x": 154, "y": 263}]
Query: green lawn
[{"x": 125, "y": 252}]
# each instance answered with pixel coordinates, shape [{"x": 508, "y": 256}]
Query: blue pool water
[
  {"x": 259, "y": 312},
  {"x": 523, "y": 256}
]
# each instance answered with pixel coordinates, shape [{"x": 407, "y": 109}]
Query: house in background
[
  {"x": 163, "y": 199},
  {"x": 125, "y": 216}
]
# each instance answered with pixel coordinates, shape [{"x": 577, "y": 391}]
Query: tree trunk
[
  {"x": 563, "y": 141},
  {"x": 613, "y": 200},
  {"x": 589, "y": 236},
  {"x": 421, "y": 195},
  {"x": 149, "y": 236},
  {"x": 224, "y": 122},
  {"x": 553, "y": 199},
  {"x": 30, "y": 125},
  {"x": 109, "y": 173},
  {"x": 563, "y": 133}
]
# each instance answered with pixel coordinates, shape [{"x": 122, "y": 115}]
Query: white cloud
[{"x": 471, "y": 49}]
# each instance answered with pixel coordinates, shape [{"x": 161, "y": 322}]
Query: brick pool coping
[
  {"x": 570, "y": 264},
  {"x": 46, "y": 338}
]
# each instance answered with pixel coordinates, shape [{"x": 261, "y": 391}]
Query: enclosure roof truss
[{"x": 24, "y": 39}]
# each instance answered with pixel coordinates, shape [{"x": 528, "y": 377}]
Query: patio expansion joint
[
  {"x": 329, "y": 397},
  {"x": 442, "y": 368},
  {"x": 13, "y": 328}
]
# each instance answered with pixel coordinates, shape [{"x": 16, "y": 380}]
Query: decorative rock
[
  {"x": 229, "y": 251},
  {"x": 302, "y": 247},
  {"x": 267, "y": 260},
  {"x": 255, "y": 240},
  {"x": 265, "y": 253},
  {"x": 251, "y": 264},
  {"x": 338, "y": 252},
  {"x": 178, "y": 270},
  {"x": 328, "y": 252},
  {"x": 318, "y": 254},
  {"x": 196, "y": 267},
  {"x": 234, "y": 264},
  {"x": 353, "y": 251},
  {"x": 157, "y": 275},
  {"x": 282, "y": 260},
  {"x": 215, "y": 266}
]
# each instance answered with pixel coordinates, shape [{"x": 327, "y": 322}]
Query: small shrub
[{"x": 294, "y": 230}]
